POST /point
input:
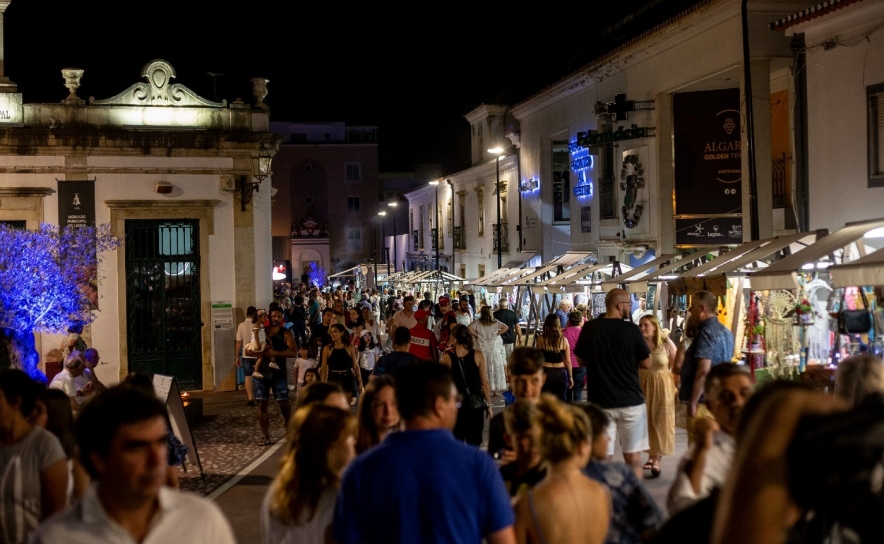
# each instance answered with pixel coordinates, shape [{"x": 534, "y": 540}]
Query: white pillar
[{"x": 6, "y": 86}]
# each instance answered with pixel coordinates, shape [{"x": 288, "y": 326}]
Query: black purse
[
  {"x": 472, "y": 401},
  {"x": 854, "y": 321}
]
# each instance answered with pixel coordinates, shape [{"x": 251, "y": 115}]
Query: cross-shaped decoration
[{"x": 620, "y": 107}]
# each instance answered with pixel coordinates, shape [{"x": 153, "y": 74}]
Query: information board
[{"x": 167, "y": 391}]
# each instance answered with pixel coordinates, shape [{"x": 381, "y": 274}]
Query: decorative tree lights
[{"x": 48, "y": 283}]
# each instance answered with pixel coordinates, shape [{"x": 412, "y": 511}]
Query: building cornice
[
  {"x": 484, "y": 111},
  {"x": 682, "y": 27}
]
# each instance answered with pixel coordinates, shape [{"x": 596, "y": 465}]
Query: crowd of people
[{"x": 384, "y": 444}]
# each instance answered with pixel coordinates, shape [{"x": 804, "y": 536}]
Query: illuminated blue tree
[
  {"x": 48, "y": 283},
  {"x": 316, "y": 274}
]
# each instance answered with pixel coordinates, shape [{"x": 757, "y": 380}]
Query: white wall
[{"x": 837, "y": 110}]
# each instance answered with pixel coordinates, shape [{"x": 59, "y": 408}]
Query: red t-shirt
[{"x": 423, "y": 342}]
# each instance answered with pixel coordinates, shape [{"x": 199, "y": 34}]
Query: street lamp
[
  {"x": 395, "y": 250},
  {"x": 499, "y": 151},
  {"x": 435, "y": 185},
  {"x": 384, "y": 241},
  {"x": 260, "y": 159}
]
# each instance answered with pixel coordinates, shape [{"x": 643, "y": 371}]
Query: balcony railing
[
  {"x": 607, "y": 202},
  {"x": 460, "y": 241},
  {"x": 504, "y": 238},
  {"x": 780, "y": 181},
  {"x": 415, "y": 240}
]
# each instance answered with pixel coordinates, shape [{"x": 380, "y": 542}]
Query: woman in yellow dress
[{"x": 658, "y": 386}]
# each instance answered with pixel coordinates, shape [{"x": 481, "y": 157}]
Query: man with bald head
[{"x": 612, "y": 350}]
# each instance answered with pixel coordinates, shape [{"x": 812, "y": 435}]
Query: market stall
[
  {"x": 801, "y": 285},
  {"x": 585, "y": 279},
  {"x": 362, "y": 275},
  {"x": 535, "y": 306}
]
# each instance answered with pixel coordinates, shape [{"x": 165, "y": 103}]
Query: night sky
[{"x": 414, "y": 75}]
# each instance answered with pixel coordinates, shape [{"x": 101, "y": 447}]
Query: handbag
[
  {"x": 473, "y": 401},
  {"x": 854, "y": 321}
]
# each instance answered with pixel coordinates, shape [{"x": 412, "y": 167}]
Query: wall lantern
[{"x": 261, "y": 160}]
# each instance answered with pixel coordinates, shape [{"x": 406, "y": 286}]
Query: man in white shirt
[
  {"x": 122, "y": 440},
  {"x": 243, "y": 337},
  {"x": 707, "y": 464},
  {"x": 404, "y": 317},
  {"x": 640, "y": 311},
  {"x": 78, "y": 387}
]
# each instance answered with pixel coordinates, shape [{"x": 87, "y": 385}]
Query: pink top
[{"x": 571, "y": 334}]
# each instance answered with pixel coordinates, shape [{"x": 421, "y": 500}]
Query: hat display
[{"x": 420, "y": 314}]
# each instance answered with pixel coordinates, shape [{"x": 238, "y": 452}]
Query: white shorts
[{"x": 632, "y": 425}]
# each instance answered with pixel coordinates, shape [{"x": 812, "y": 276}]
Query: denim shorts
[
  {"x": 248, "y": 365},
  {"x": 280, "y": 387}
]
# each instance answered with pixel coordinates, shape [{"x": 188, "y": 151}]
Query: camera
[{"x": 836, "y": 469}]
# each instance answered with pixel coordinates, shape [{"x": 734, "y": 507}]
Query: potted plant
[{"x": 804, "y": 311}]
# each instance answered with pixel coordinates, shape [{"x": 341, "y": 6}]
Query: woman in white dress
[{"x": 487, "y": 331}]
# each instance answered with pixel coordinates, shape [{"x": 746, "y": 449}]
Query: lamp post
[
  {"x": 435, "y": 185},
  {"x": 395, "y": 250},
  {"x": 382, "y": 215},
  {"x": 500, "y": 153}
]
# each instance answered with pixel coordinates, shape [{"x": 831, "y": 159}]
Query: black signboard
[
  {"x": 717, "y": 231},
  {"x": 707, "y": 152},
  {"x": 76, "y": 203},
  {"x": 585, "y": 219}
]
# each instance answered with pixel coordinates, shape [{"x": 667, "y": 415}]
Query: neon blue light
[
  {"x": 581, "y": 163},
  {"x": 530, "y": 185}
]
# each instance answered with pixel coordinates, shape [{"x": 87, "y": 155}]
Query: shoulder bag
[
  {"x": 473, "y": 401},
  {"x": 854, "y": 321}
]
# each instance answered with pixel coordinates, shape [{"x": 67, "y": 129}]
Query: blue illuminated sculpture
[
  {"x": 316, "y": 274},
  {"x": 48, "y": 283}
]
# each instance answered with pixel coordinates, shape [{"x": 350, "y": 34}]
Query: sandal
[
  {"x": 648, "y": 465},
  {"x": 265, "y": 442},
  {"x": 655, "y": 471}
]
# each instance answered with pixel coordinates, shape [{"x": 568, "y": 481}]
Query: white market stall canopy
[
  {"x": 868, "y": 270},
  {"x": 488, "y": 279},
  {"x": 784, "y": 273},
  {"x": 555, "y": 266},
  {"x": 640, "y": 285},
  {"x": 358, "y": 270},
  {"x": 429, "y": 276},
  {"x": 575, "y": 279},
  {"x": 520, "y": 260},
  {"x": 511, "y": 277},
  {"x": 639, "y": 271}
]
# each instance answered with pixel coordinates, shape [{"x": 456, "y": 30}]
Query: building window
[
  {"x": 607, "y": 189},
  {"x": 309, "y": 200},
  {"x": 480, "y": 200},
  {"x": 299, "y": 137},
  {"x": 876, "y": 134},
  {"x": 354, "y": 240},
  {"x": 420, "y": 227},
  {"x": 308, "y": 167},
  {"x": 561, "y": 159},
  {"x": 480, "y": 141},
  {"x": 352, "y": 203},
  {"x": 354, "y": 171}
]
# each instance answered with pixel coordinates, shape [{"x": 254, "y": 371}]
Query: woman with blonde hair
[
  {"x": 567, "y": 506},
  {"x": 556, "y": 358},
  {"x": 658, "y": 387},
  {"x": 300, "y": 503}
]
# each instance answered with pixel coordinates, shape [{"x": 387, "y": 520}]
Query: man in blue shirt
[
  {"x": 421, "y": 485},
  {"x": 712, "y": 345}
]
